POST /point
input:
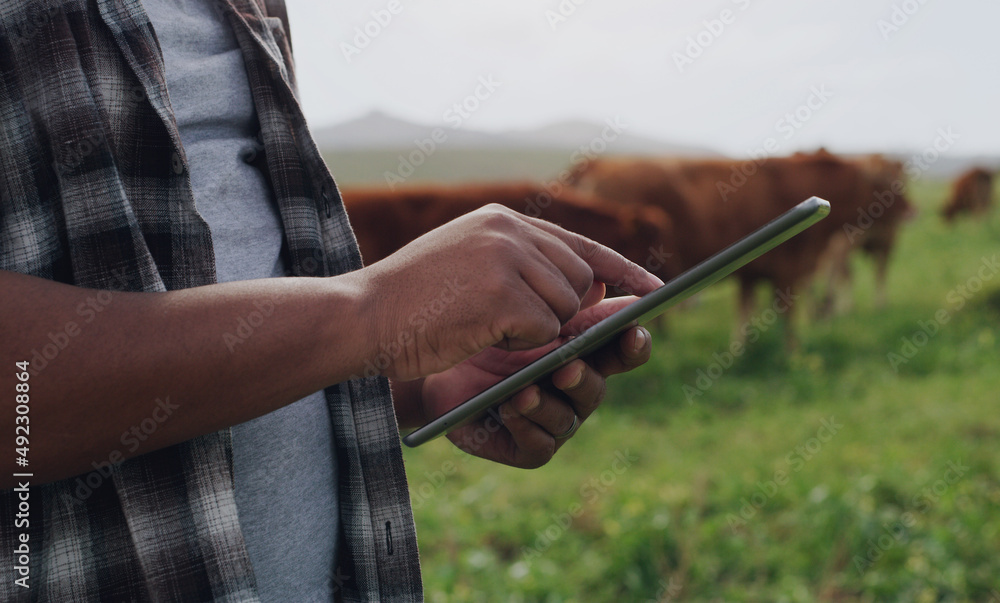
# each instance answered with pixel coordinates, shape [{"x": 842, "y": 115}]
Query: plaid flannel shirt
[{"x": 94, "y": 192}]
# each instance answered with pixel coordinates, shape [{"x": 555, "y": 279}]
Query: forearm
[{"x": 215, "y": 356}]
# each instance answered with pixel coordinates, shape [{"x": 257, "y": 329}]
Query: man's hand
[
  {"x": 525, "y": 431},
  {"x": 490, "y": 278}
]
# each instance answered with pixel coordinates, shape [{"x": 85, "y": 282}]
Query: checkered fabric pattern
[{"x": 94, "y": 192}]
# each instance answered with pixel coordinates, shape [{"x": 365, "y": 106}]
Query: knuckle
[
  {"x": 569, "y": 308},
  {"x": 550, "y": 329},
  {"x": 504, "y": 248},
  {"x": 498, "y": 283},
  {"x": 496, "y": 208},
  {"x": 586, "y": 248},
  {"x": 496, "y": 216},
  {"x": 584, "y": 280}
]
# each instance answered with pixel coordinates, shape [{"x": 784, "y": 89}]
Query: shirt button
[
  {"x": 325, "y": 192},
  {"x": 176, "y": 163}
]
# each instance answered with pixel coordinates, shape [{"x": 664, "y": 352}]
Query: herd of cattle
[{"x": 668, "y": 214}]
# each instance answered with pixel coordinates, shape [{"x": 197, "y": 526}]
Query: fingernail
[
  {"x": 576, "y": 380},
  {"x": 533, "y": 401},
  {"x": 640, "y": 340}
]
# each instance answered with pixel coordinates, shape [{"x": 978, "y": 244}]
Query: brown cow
[
  {"x": 386, "y": 220},
  {"x": 876, "y": 241},
  {"x": 715, "y": 202},
  {"x": 972, "y": 193}
]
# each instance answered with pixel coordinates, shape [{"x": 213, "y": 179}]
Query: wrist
[
  {"x": 345, "y": 322},
  {"x": 354, "y": 291}
]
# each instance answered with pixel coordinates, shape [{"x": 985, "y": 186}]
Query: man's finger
[
  {"x": 550, "y": 411},
  {"x": 609, "y": 266},
  {"x": 582, "y": 385},
  {"x": 632, "y": 349},
  {"x": 532, "y": 446}
]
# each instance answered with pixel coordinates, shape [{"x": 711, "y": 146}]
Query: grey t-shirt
[{"x": 284, "y": 465}]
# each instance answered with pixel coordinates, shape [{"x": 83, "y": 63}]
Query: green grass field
[{"x": 837, "y": 473}]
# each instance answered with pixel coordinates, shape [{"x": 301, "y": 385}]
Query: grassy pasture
[{"x": 837, "y": 473}]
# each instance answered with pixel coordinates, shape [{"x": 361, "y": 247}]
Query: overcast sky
[{"x": 879, "y": 74}]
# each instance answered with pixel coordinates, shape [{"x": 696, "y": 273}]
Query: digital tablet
[{"x": 687, "y": 284}]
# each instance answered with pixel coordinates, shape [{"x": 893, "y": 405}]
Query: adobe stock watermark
[
  {"x": 712, "y": 30},
  {"x": 955, "y": 301},
  {"x": 669, "y": 591},
  {"x": 900, "y": 15},
  {"x": 338, "y": 580},
  {"x": 247, "y": 325},
  {"x": 591, "y": 490},
  {"x": 417, "y": 323},
  {"x": 786, "y": 127},
  {"x": 69, "y": 155},
  {"x": 562, "y": 12},
  {"x": 915, "y": 167},
  {"x": 455, "y": 117},
  {"x": 464, "y": 450},
  {"x": 749, "y": 333},
  {"x": 895, "y": 531},
  {"x": 794, "y": 461},
  {"x": 36, "y": 16},
  {"x": 88, "y": 311},
  {"x": 131, "y": 439},
  {"x": 371, "y": 29}
]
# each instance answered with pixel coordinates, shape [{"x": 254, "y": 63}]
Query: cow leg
[
  {"x": 836, "y": 261},
  {"x": 881, "y": 259},
  {"x": 785, "y": 304},
  {"x": 844, "y": 298},
  {"x": 830, "y": 292},
  {"x": 827, "y": 273}
]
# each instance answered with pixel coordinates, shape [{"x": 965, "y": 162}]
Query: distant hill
[
  {"x": 380, "y": 131},
  {"x": 370, "y": 148}
]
